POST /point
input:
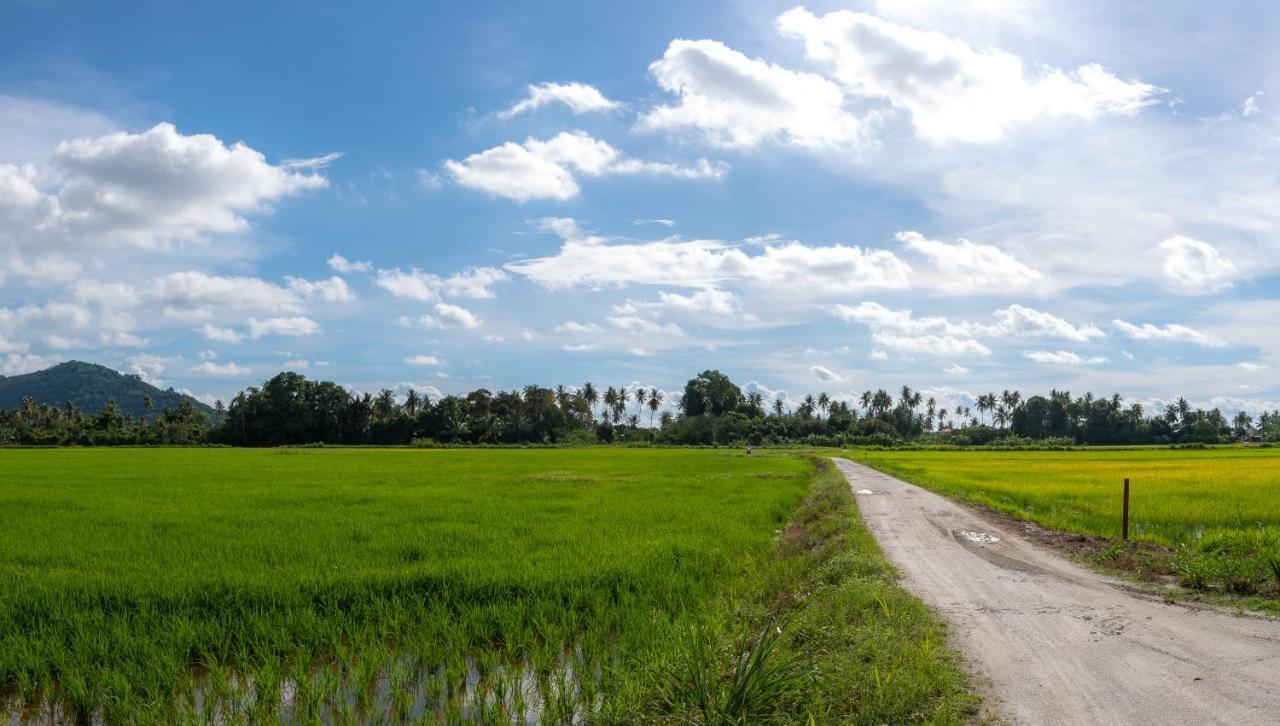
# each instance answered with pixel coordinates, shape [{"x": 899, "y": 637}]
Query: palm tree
[
  {"x": 148, "y": 404},
  {"x": 591, "y": 396},
  {"x": 865, "y": 399},
  {"x": 411, "y": 402},
  {"x": 824, "y": 402},
  {"x": 755, "y": 400},
  {"x": 778, "y": 407},
  {"x": 931, "y": 411},
  {"x": 610, "y": 401},
  {"x": 655, "y": 402},
  {"x": 986, "y": 402},
  {"x": 642, "y": 397}
]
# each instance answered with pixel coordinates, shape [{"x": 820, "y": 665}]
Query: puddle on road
[{"x": 979, "y": 537}]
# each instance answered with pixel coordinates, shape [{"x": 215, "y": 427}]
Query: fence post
[{"x": 1125, "y": 523}]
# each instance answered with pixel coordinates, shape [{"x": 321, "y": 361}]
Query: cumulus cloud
[
  {"x": 579, "y": 97},
  {"x": 736, "y": 101},
  {"x": 454, "y": 316},
  {"x": 1196, "y": 266},
  {"x": 936, "y": 345},
  {"x": 219, "y": 370},
  {"x": 475, "y": 283},
  {"x": 824, "y": 374},
  {"x": 1062, "y": 358},
  {"x": 956, "y": 370},
  {"x": 422, "y": 360},
  {"x": 952, "y": 91},
  {"x": 1015, "y": 321},
  {"x": 1251, "y": 367},
  {"x": 335, "y": 289},
  {"x": 290, "y": 326},
  {"x": 539, "y": 169},
  {"x": 970, "y": 267},
  {"x": 142, "y": 190},
  {"x": 18, "y": 363},
  {"x": 341, "y": 264},
  {"x": 634, "y": 324},
  {"x": 220, "y": 335},
  {"x": 591, "y": 261},
  {"x": 149, "y": 367},
  {"x": 1172, "y": 332}
]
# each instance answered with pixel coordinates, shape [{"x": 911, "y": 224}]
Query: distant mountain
[{"x": 89, "y": 386}]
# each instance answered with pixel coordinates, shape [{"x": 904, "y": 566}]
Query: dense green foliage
[
  {"x": 214, "y": 584},
  {"x": 90, "y": 387},
  {"x": 290, "y": 409},
  {"x": 1218, "y": 509}
]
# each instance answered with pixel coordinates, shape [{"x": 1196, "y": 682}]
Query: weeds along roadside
[{"x": 831, "y": 637}]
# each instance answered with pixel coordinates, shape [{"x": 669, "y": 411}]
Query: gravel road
[{"x": 1052, "y": 642}]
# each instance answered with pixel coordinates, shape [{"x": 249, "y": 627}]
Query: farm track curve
[{"x": 1051, "y": 641}]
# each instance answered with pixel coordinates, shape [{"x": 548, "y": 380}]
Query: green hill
[{"x": 89, "y": 386}]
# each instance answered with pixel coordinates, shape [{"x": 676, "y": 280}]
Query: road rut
[{"x": 1056, "y": 643}]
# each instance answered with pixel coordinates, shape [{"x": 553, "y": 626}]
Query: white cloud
[
  {"x": 824, "y": 374},
  {"x": 197, "y": 294},
  {"x": 579, "y": 97},
  {"x": 422, "y": 360},
  {"x": 142, "y": 190},
  {"x": 291, "y": 326},
  {"x": 938, "y": 345},
  {"x": 736, "y": 101},
  {"x": 578, "y": 328},
  {"x": 970, "y": 267},
  {"x": 473, "y": 283},
  {"x": 1250, "y": 106},
  {"x": 953, "y": 91},
  {"x": 149, "y": 367},
  {"x": 634, "y": 324},
  {"x": 580, "y": 347},
  {"x": 1061, "y": 358},
  {"x": 1171, "y": 332},
  {"x": 335, "y": 289},
  {"x": 1196, "y": 266},
  {"x": 540, "y": 169},
  {"x": 707, "y": 300},
  {"x": 455, "y": 316},
  {"x": 345, "y": 266},
  {"x": 219, "y": 370},
  {"x": 1013, "y": 321},
  {"x": 18, "y": 363},
  {"x": 220, "y": 335},
  {"x": 956, "y": 370},
  {"x": 413, "y": 285},
  {"x": 1251, "y": 367},
  {"x": 590, "y": 261}
]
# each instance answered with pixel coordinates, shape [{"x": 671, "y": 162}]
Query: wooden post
[{"x": 1125, "y": 525}]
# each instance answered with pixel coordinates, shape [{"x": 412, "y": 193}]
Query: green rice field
[
  {"x": 605, "y": 585},
  {"x": 1217, "y": 509}
]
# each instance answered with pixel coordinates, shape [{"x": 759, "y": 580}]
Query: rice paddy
[
  {"x": 1217, "y": 509},
  {"x": 355, "y": 585}
]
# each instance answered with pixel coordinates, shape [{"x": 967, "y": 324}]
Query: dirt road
[{"x": 1057, "y": 643}]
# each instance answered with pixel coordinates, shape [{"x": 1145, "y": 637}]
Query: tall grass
[{"x": 1217, "y": 510}]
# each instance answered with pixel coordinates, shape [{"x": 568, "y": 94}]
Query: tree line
[{"x": 290, "y": 409}]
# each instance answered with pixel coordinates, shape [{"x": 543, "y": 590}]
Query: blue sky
[{"x": 831, "y": 197}]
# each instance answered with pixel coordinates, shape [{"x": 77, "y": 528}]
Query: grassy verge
[
  {"x": 846, "y": 643},
  {"x": 1207, "y": 520}
]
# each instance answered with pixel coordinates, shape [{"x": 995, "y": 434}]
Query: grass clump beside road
[
  {"x": 606, "y": 585},
  {"x": 1210, "y": 516}
]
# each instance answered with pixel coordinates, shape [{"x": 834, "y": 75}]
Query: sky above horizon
[{"x": 831, "y": 197}]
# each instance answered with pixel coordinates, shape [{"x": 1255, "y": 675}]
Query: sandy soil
[{"x": 1054, "y": 643}]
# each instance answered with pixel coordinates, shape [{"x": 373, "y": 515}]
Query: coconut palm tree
[
  {"x": 865, "y": 399},
  {"x": 824, "y": 402},
  {"x": 778, "y": 407},
  {"x": 641, "y": 397},
  {"x": 655, "y": 403},
  {"x": 411, "y": 402},
  {"x": 591, "y": 396}
]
